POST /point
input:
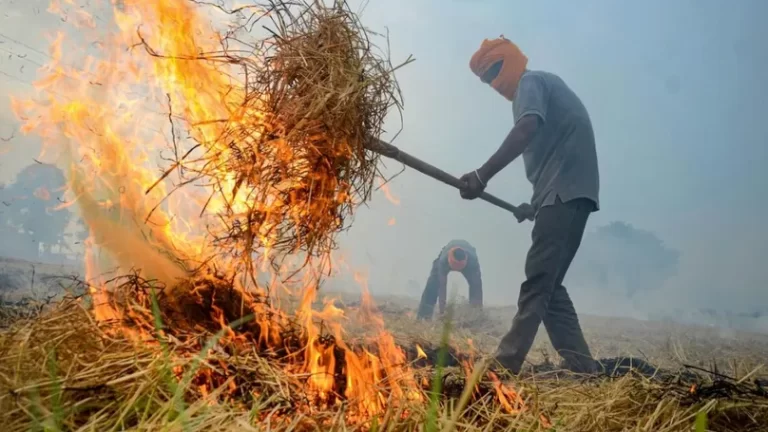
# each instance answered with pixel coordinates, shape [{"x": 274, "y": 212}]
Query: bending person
[{"x": 459, "y": 256}]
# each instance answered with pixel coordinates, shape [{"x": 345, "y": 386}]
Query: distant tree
[
  {"x": 32, "y": 200},
  {"x": 618, "y": 255}
]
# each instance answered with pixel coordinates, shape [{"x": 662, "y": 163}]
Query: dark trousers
[
  {"x": 556, "y": 236},
  {"x": 429, "y": 296}
]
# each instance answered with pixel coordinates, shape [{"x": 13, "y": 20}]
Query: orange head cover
[
  {"x": 457, "y": 259},
  {"x": 515, "y": 62}
]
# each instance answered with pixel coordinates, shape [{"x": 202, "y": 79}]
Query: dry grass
[
  {"x": 291, "y": 162},
  {"x": 65, "y": 371}
]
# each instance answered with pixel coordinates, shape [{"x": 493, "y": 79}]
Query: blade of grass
[
  {"x": 436, "y": 389},
  {"x": 466, "y": 394},
  {"x": 36, "y": 411},
  {"x": 701, "y": 422},
  {"x": 57, "y": 411}
]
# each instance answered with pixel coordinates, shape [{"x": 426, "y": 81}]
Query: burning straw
[
  {"x": 66, "y": 372},
  {"x": 277, "y": 134},
  {"x": 290, "y": 162}
]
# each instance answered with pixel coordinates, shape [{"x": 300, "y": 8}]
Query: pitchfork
[{"x": 388, "y": 150}]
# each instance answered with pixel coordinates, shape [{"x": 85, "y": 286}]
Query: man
[
  {"x": 553, "y": 133},
  {"x": 460, "y": 256}
]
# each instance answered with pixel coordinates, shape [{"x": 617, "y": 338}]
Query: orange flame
[
  {"x": 388, "y": 194},
  {"x": 509, "y": 399},
  {"x": 420, "y": 354},
  {"x": 104, "y": 114}
]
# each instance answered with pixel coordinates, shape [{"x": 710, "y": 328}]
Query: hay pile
[
  {"x": 64, "y": 371},
  {"x": 291, "y": 162},
  {"x": 67, "y": 361},
  {"x": 24, "y": 308}
]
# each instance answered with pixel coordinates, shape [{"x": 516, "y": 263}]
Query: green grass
[
  {"x": 701, "y": 422},
  {"x": 437, "y": 381}
]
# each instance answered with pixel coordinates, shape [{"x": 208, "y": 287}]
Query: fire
[
  {"x": 510, "y": 400},
  {"x": 388, "y": 194},
  {"x": 113, "y": 113},
  {"x": 420, "y": 352},
  {"x": 374, "y": 375}
]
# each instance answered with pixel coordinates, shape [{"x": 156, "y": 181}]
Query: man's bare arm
[{"x": 513, "y": 146}]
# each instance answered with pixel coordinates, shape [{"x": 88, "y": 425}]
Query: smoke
[
  {"x": 622, "y": 270},
  {"x": 618, "y": 268},
  {"x": 620, "y": 257}
]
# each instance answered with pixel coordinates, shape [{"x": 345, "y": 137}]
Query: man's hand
[
  {"x": 473, "y": 185},
  {"x": 525, "y": 212}
]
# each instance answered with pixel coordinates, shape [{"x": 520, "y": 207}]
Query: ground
[
  {"x": 20, "y": 279},
  {"x": 65, "y": 371},
  {"x": 665, "y": 344}
]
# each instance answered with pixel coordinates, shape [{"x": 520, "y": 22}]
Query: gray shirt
[{"x": 561, "y": 160}]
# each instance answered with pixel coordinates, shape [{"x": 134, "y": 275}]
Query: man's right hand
[{"x": 525, "y": 212}]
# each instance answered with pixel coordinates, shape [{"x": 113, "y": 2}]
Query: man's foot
[
  {"x": 585, "y": 366},
  {"x": 502, "y": 368}
]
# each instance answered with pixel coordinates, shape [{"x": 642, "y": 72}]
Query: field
[
  {"x": 20, "y": 279},
  {"x": 273, "y": 136},
  {"x": 62, "y": 371},
  {"x": 664, "y": 344}
]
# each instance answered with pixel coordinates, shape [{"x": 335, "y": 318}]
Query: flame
[
  {"x": 388, "y": 194},
  {"x": 374, "y": 375},
  {"x": 509, "y": 399},
  {"x": 420, "y": 354},
  {"x": 111, "y": 114}
]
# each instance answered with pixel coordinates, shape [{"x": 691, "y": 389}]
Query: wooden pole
[{"x": 388, "y": 150}]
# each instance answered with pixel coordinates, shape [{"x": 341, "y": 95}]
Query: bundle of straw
[{"x": 316, "y": 90}]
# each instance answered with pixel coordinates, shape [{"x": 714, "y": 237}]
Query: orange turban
[
  {"x": 455, "y": 264},
  {"x": 515, "y": 62}
]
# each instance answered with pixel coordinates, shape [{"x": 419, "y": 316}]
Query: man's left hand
[{"x": 473, "y": 185}]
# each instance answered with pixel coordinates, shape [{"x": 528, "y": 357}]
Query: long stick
[{"x": 388, "y": 150}]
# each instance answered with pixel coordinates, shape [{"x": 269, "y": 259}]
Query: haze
[{"x": 676, "y": 91}]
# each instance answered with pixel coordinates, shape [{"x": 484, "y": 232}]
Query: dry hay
[
  {"x": 24, "y": 308},
  {"x": 64, "y": 371},
  {"x": 313, "y": 94},
  {"x": 200, "y": 303},
  {"x": 68, "y": 359},
  {"x": 12, "y": 311},
  {"x": 291, "y": 161}
]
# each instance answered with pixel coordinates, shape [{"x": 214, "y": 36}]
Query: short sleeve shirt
[{"x": 561, "y": 161}]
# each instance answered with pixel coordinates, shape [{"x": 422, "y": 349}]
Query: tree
[
  {"x": 619, "y": 255},
  {"x": 32, "y": 200}
]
